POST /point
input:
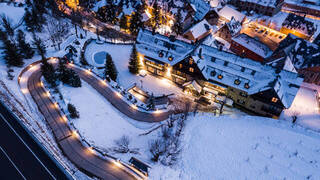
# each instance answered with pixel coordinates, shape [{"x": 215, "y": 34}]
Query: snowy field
[
  {"x": 247, "y": 147},
  {"x": 120, "y": 55}
]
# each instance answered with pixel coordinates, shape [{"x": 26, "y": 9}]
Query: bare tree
[
  {"x": 58, "y": 30},
  {"x": 122, "y": 144},
  {"x": 166, "y": 133},
  {"x": 157, "y": 148}
]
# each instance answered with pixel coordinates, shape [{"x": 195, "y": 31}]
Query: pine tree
[
  {"x": 11, "y": 54},
  {"x": 68, "y": 76},
  {"x": 48, "y": 73},
  {"x": 124, "y": 22},
  {"x": 135, "y": 23},
  {"x": 6, "y": 24},
  {"x": 134, "y": 65},
  {"x": 178, "y": 26},
  {"x": 24, "y": 47},
  {"x": 40, "y": 47},
  {"x": 110, "y": 69},
  {"x": 156, "y": 20},
  {"x": 73, "y": 111}
]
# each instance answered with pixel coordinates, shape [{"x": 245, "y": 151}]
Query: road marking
[
  {"x": 26, "y": 146},
  {"x": 14, "y": 165}
]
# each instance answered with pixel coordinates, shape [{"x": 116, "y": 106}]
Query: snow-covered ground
[
  {"x": 247, "y": 147},
  {"x": 306, "y": 107},
  {"x": 120, "y": 55},
  {"x": 101, "y": 124}
]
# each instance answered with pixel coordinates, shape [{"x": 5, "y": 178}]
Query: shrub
[{"x": 73, "y": 111}]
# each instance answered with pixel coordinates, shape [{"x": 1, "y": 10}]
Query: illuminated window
[
  {"x": 170, "y": 58},
  {"x": 191, "y": 69},
  {"x": 246, "y": 85},
  {"x": 161, "y": 54},
  {"x": 274, "y": 99},
  {"x": 190, "y": 61},
  {"x": 237, "y": 81},
  {"x": 220, "y": 76},
  {"x": 180, "y": 66}
]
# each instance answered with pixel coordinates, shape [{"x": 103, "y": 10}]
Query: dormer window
[
  {"x": 213, "y": 59},
  {"x": 170, "y": 58},
  {"x": 253, "y": 72},
  {"x": 243, "y": 69},
  {"x": 161, "y": 54},
  {"x": 213, "y": 73},
  {"x": 226, "y": 63},
  {"x": 246, "y": 85},
  {"x": 220, "y": 76},
  {"x": 237, "y": 81}
]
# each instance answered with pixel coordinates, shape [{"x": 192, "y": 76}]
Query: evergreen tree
[
  {"x": 136, "y": 23},
  {"x": 68, "y": 76},
  {"x": 110, "y": 69},
  {"x": 73, "y": 111},
  {"x": 40, "y": 47},
  {"x": 11, "y": 54},
  {"x": 48, "y": 73},
  {"x": 178, "y": 26},
  {"x": 124, "y": 22},
  {"x": 134, "y": 65},
  {"x": 6, "y": 24},
  {"x": 156, "y": 20},
  {"x": 24, "y": 48}
]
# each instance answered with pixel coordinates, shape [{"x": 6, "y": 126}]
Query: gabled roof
[
  {"x": 245, "y": 74},
  {"x": 200, "y": 28},
  {"x": 253, "y": 45},
  {"x": 200, "y": 7},
  {"x": 153, "y": 46},
  {"x": 302, "y": 53},
  {"x": 228, "y": 12}
]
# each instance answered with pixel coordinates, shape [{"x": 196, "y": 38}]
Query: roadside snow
[{"x": 101, "y": 124}]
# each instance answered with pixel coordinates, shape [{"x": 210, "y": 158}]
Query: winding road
[{"x": 83, "y": 157}]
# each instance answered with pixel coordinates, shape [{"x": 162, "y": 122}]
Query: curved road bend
[
  {"x": 71, "y": 146},
  {"x": 106, "y": 91}
]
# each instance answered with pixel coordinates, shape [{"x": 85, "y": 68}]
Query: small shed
[{"x": 139, "y": 165}]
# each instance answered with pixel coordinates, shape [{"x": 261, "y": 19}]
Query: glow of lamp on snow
[
  {"x": 118, "y": 94},
  {"x": 133, "y": 106},
  {"x": 64, "y": 118},
  {"x": 91, "y": 150},
  {"x": 157, "y": 111},
  {"x": 165, "y": 82},
  {"x": 168, "y": 73},
  {"x": 55, "y": 105},
  {"x": 103, "y": 82},
  {"x": 148, "y": 13},
  {"x": 75, "y": 134},
  {"x": 117, "y": 163},
  {"x": 24, "y": 91}
]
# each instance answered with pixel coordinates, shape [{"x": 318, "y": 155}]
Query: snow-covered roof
[
  {"x": 299, "y": 24},
  {"x": 160, "y": 47},
  {"x": 302, "y": 53},
  {"x": 245, "y": 74},
  {"x": 253, "y": 45},
  {"x": 200, "y": 28},
  {"x": 267, "y": 3},
  {"x": 228, "y": 12},
  {"x": 234, "y": 26},
  {"x": 303, "y": 4},
  {"x": 200, "y": 7}
]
